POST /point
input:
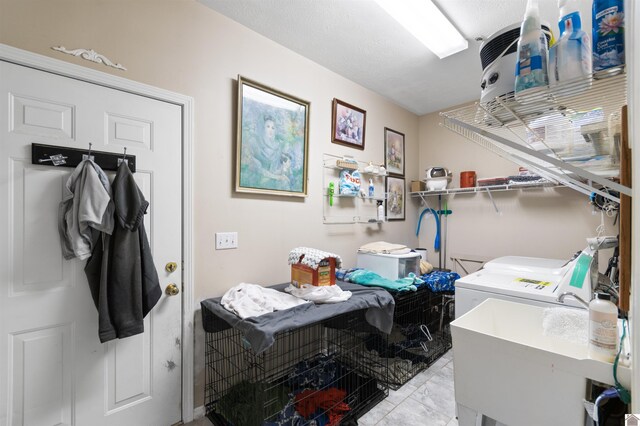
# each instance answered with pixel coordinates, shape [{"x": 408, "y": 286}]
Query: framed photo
[
  {"x": 394, "y": 152},
  {"x": 395, "y": 198},
  {"x": 348, "y": 124},
  {"x": 272, "y": 145}
]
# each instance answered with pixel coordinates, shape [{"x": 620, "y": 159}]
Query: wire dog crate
[
  {"x": 421, "y": 333},
  {"x": 311, "y": 375}
]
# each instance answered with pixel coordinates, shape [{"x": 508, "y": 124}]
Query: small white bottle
[
  {"x": 603, "y": 328},
  {"x": 371, "y": 188},
  {"x": 380, "y": 211}
]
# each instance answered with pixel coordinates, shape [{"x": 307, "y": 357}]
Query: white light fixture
[{"x": 424, "y": 20}]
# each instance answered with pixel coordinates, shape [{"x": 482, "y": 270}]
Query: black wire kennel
[
  {"x": 421, "y": 333},
  {"x": 310, "y": 375}
]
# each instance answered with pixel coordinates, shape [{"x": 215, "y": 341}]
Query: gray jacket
[
  {"x": 121, "y": 274},
  {"x": 86, "y": 204}
]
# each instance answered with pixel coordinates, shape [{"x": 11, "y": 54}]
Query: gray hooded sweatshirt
[{"x": 122, "y": 277}]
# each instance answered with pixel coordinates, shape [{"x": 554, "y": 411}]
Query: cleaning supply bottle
[
  {"x": 570, "y": 57},
  {"x": 603, "y": 328},
  {"x": 531, "y": 63},
  {"x": 380, "y": 211},
  {"x": 608, "y": 34},
  {"x": 371, "y": 188}
]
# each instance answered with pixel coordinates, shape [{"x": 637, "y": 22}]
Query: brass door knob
[
  {"x": 172, "y": 290},
  {"x": 171, "y": 267}
]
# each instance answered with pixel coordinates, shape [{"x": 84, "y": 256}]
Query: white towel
[
  {"x": 319, "y": 294},
  {"x": 566, "y": 323},
  {"x": 384, "y": 247},
  {"x": 252, "y": 300}
]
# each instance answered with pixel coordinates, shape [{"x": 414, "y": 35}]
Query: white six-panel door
[{"x": 53, "y": 368}]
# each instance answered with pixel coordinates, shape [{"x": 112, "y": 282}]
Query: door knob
[
  {"x": 172, "y": 290},
  {"x": 171, "y": 267}
]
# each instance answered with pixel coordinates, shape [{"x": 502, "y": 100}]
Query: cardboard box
[
  {"x": 324, "y": 275},
  {"x": 418, "y": 185}
]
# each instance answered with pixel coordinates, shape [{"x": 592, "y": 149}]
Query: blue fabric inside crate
[{"x": 440, "y": 281}]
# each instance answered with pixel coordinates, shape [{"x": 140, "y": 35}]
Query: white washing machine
[{"x": 530, "y": 280}]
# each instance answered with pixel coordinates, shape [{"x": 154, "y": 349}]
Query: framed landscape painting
[
  {"x": 348, "y": 124},
  {"x": 394, "y": 152},
  {"x": 272, "y": 145}
]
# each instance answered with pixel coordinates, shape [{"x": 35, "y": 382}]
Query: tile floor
[{"x": 426, "y": 400}]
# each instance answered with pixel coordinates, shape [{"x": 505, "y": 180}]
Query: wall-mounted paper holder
[{"x": 70, "y": 157}]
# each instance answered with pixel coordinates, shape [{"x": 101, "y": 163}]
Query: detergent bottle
[
  {"x": 570, "y": 57},
  {"x": 531, "y": 63},
  {"x": 603, "y": 328}
]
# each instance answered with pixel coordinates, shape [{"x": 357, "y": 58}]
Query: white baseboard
[{"x": 199, "y": 412}]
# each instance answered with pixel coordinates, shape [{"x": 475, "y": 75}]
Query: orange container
[
  {"x": 467, "y": 179},
  {"x": 325, "y": 274}
]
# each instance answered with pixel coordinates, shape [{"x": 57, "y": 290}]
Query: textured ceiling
[{"x": 358, "y": 40}]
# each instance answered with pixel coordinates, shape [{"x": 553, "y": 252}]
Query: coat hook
[
  {"x": 124, "y": 156},
  {"x": 88, "y": 156}
]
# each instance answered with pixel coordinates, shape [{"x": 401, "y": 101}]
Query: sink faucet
[{"x": 575, "y": 296}]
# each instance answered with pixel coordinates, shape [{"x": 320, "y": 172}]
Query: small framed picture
[
  {"x": 395, "y": 190},
  {"x": 394, "y": 152},
  {"x": 348, "y": 124},
  {"x": 272, "y": 148}
]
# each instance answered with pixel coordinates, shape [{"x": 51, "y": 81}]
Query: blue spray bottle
[{"x": 570, "y": 57}]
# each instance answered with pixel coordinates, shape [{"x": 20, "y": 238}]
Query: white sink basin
[{"x": 507, "y": 369}]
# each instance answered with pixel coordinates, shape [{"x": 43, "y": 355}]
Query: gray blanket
[{"x": 260, "y": 331}]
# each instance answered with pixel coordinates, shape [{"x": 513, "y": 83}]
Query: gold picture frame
[{"x": 272, "y": 146}]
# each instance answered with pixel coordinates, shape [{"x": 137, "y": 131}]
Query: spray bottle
[
  {"x": 570, "y": 57},
  {"x": 531, "y": 65},
  {"x": 380, "y": 211}
]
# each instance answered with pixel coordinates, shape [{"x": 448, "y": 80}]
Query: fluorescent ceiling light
[{"x": 424, "y": 20}]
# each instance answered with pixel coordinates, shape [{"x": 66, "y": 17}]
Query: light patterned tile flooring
[{"x": 426, "y": 400}]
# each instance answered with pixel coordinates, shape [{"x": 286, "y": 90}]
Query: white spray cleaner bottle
[
  {"x": 570, "y": 58},
  {"x": 531, "y": 64}
]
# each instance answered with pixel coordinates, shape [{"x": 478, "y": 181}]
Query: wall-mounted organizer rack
[
  {"x": 569, "y": 133},
  {"x": 345, "y": 209},
  {"x": 58, "y": 156}
]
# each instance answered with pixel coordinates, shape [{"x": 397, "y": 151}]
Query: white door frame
[{"x": 67, "y": 69}]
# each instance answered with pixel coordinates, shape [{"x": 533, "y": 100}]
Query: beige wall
[
  {"x": 547, "y": 222},
  {"x": 185, "y": 47}
]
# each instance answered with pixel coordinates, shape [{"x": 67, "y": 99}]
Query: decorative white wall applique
[{"x": 91, "y": 55}]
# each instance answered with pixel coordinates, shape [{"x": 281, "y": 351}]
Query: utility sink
[{"x": 506, "y": 368}]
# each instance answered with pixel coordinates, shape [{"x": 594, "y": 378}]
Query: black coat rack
[{"x": 52, "y": 155}]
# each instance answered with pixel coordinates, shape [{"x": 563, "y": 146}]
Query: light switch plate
[{"x": 226, "y": 240}]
